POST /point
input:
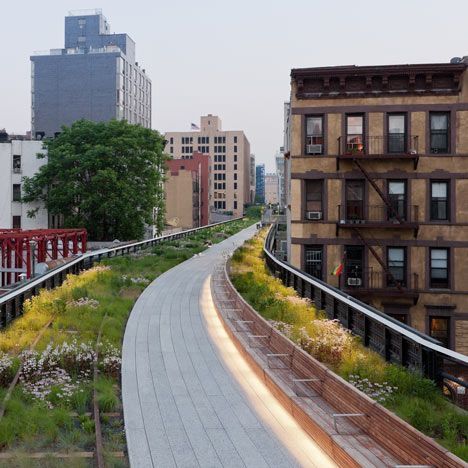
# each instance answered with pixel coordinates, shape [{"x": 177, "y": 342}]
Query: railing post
[{"x": 366, "y": 331}]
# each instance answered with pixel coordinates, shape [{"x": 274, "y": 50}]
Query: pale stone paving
[{"x": 182, "y": 405}]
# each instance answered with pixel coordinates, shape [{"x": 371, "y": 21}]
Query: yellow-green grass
[
  {"x": 28, "y": 425},
  {"x": 416, "y": 399}
]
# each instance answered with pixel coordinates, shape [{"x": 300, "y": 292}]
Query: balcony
[
  {"x": 378, "y": 283},
  {"x": 382, "y": 147},
  {"x": 356, "y": 215}
]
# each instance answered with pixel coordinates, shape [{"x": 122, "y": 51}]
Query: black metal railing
[
  {"x": 381, "y": 145},
  {"x": 11, "y": 303},
  {"x": 395, "y": 341},
  {"x": 356, "y": 212}
]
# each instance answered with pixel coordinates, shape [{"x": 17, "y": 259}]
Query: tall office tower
[
  {"x": 95, "y": 77},
  {"x": 260, "y": 183},
  {"x": 280, "y": 166},
  {"x": 271, "y": 189},
  {"x": 229, "y": 152},
  {"x": 252, "y": 178}
]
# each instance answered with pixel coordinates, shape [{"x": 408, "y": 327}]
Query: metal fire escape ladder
[
  {"x": 377, "y": 256},
  {"x": 377, "y": 189}
]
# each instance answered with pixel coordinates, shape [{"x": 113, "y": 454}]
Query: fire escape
[{"x": 362, "y": 219}]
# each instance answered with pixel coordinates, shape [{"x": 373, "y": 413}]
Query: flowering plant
[
  {"x": 137, "y": 280},
  {"x": 6, "y": 370},
  {"x": 111, "y": 361},
  {"x": 378, "y": 392},
  {"x": 84, "y": 302}
]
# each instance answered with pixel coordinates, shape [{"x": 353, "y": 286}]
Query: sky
[{"x": 233, "y": 59}]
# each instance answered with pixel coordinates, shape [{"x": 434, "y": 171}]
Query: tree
[{"x": 104, "y": 176}]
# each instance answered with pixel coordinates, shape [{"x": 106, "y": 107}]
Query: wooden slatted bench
[{"x": 352, "y": 428}]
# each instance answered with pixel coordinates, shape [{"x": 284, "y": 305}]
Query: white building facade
[{"x": 18, "y": 159}]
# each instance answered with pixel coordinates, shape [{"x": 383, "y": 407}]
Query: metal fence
[
  {"x": 11, "y": 304},
  {"x": 393, "y": 340}
]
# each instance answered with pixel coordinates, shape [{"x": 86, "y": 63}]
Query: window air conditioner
[
  {"x": 354, "y": 281},
  {"x": 314, "y": 149},
  {"x": 314, "y": 215}
]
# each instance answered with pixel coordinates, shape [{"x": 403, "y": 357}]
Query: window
[
  {"x": 439, "y": 328},
  {"x": 16, "y": 222},
  {"x": 16, "y": 163},
  {"x": 396, "y": 261},
  {"x": 171, "y": 150},
  {"x": 403, "y": 318},
  {"x": 314, "y": 190},
  {"x": 235, "y": 167},
  {"x": 439, "y": 128},
  {"x": 16, "y": 192},
  {"x": 235, "y": 139},
  {"x": 81, "y": 39},
  {"x": 235, "y": 204},
  {"x": 398, "y": 311},
  {"x": 354, "y": 264},
  {"x": 235, "y": 176},
  {"x": 396, "y": 142},
  {"x": 355, "y": 133},
  {"x": 313, "y": 260},
  {"x": 314, "y": 135},
  {"x": 439, "y": 269},
  {"x": 235, "y": 149},
  {"x": 235, "y": 158},
  {"x": 397, "y": 198},
  {"x": 354, "y": 200},
  {"x": 439, "y": 201},
  {"x": 235, "y": 185}
]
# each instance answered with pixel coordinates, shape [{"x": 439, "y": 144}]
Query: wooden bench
[{"x": 351, "y": 427}]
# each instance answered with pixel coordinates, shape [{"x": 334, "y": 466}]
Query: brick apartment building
[
  {"x": 379, "y": 181},
  {"x": 186, "y": 191},
  {"x": 229, "y": 166}
]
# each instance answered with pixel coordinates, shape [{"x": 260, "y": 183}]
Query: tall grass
[
  {"x": 416, "y": 399},
  {"x": 28, "y": 424}
]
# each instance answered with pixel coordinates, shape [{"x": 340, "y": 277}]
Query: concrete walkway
[{"x": 189, "y": 398}]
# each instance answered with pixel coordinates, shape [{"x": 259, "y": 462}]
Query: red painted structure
[{"x": 21, "y": 250}]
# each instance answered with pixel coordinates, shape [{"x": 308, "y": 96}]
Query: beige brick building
[
  {"x": 229, "y": 166},
  {"x": 271, "y": 189},
  {"x": 379, "y": 181}
]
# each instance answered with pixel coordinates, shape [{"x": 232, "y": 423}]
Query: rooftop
[
  {"x": 372, "y": 80},
  {"x": 381, "y": 69},
  {"x": 85, "y": 12}
]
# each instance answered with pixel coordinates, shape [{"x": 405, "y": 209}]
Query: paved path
[{"x": 189, "y": 398}]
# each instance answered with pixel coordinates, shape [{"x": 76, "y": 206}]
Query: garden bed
[
  {"x": 49, "y": 412},
  {"x": 412, "y": 397}
]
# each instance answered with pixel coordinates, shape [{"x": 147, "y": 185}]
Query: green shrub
[{"x": 415, "y": 399}]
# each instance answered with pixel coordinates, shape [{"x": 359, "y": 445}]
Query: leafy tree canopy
[{"x": 104, "y": 176}]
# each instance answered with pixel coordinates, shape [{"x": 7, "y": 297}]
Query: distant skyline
[{"x": 234, "y": 60}]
